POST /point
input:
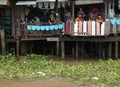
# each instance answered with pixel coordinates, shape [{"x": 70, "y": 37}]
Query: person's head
[
  {"x": 80, "y": 9},
  {"x": 66, "y": 10},
  {"x": 99, "y": 17},
  {"x": 35, "y": 17},
  {"x": 52, "y": 17},
  {"x": 79, "y": 15}
]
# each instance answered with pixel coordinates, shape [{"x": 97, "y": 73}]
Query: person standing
[
  {"x": 67, "y": 15},
  {"x": 82, "y": 13}
]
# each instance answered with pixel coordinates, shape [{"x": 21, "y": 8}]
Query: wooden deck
[{"x": 78, "y": 35}]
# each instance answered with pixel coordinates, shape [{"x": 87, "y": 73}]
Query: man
[{"x": 82, "y": 13}]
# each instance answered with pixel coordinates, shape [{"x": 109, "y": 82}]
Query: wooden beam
[
  {"x": 62, "y": 49},
  {"x": 3, "y": 44}
]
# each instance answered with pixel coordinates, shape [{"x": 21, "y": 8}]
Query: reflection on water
[{"x": 73, "y": 61}]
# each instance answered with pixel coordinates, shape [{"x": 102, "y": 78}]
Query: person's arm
[{"x": 49, "y": 22}]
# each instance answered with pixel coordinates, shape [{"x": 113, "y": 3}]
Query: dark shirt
[{"x": 82, "y": 13}]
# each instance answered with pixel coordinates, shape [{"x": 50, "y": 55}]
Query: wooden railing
[
  {"x": 86, "y": 28},
  {"x": 32, "y": 30},
  {"x": 92, "y": 28}
]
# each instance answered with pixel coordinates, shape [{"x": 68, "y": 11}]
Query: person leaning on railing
[
  {"x": 79, "y": 18},
  {"x": 52, "y": 20},
  {"x": 99, "y": 18},
  {"x": 36, "y": 20}
]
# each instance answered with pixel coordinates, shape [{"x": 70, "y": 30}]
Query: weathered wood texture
[{"x": 3, "y": 43}]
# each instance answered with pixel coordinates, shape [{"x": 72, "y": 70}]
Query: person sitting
[
  {"x": 36, "y": 20},
  {"x": 81, "y": 12},
  {"x": 52, "y": 20},
  {"x": 79, "y": 18},
  {"x": 99, "y": 18}
]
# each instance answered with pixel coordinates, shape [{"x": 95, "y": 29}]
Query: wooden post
[
  {"x": 73, "y": 9},
  {"x": 23, "y": 48},
  {"x": 17, "y": 48},
  {"x": 58, "y": 48},
  {"x": 100, "y": 49},
  {"x": 106, "y": 9},
  {"x": 110, "y": 50},
  {"x": 52, "y": 51},
  {"x": 73, "y": 52},
  {"x": 116, "y": 49},
  {"x": 72, "y": 17},
  {"x": 57, "y": 13},
  {"x": 77, "y": 50},
  {"x": 62, "y": 49},
  {"x": 82, "y": 49},
  {"x": 2, "y": 35}
]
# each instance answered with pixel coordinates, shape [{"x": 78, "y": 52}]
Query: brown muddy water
[{"x": 52, "y": 82}]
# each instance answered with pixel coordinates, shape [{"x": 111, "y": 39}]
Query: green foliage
[{"x": 38, "y": 66}]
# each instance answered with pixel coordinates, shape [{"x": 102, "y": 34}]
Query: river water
[{"x": 52, "y": 82}]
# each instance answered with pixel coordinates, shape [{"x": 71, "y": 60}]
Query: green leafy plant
[{"x": 105, "y": 72}]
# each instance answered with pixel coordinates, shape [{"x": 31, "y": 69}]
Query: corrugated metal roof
[
  {"x": 82, "y": 2},
  {"x": 26, "y": 2},
  {"x": 51, "y": 0}
]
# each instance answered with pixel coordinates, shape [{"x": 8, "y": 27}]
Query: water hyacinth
[{"x": 103, "y": 72}]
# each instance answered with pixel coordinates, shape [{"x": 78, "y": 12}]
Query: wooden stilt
[
  {"x": 23, "y": 48},
  {"x": 2, "y": 35},
  {"x": 62, "y": 49},
  {"x": 103, "y": 53},
  {"x": 17, "y": 48},
  {"x": 110, "y": 50},
  {"x": 100, "y": 50},
  {"x": 31, "y": 45},
  {"x": 52, "y": 51},
  {"x": 58, "y": 48},
  {"x": 92, "y": 48},
  {"x": 82, "y": 49},
  {"x": 116, "y": 49},
  {"x": 73, "y": 52},
  {"x": 76, "y": 50}
]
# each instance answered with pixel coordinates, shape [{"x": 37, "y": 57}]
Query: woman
[
  {"x": 78, "y": 18},
  {"x": 52, "y": 20},
  {"x": 99, "y": 18}
]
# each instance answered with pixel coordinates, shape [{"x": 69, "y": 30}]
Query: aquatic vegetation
[{"x": 105, "y": 72}]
